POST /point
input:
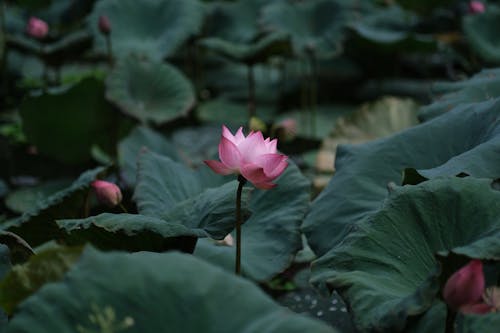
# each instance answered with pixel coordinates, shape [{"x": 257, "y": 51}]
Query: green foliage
[
  {"x": 481, "y": 33},
  {"x": 148, "y": 91},
  {"x": 25, "y": 200},
  {"x": 141, "y": 138},
  {"x": 77, "y": 118},
  {"x": 152, "y": 29},
  {"x": 24, "y": 280},
  {"x": 365, "y": 172},
  {"x": 481, "y": 87},
  {"x": 175, "y": 205},
  {"x": 163, "y": 290},
  {"x": 39, "y": 226},
  {"x": 386, "y": 269}
]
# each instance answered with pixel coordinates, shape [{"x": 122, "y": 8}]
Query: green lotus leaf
[
  {"x": 387, "y": 268},
  {"x": 76, "y": 118},
  {"x": 271, "y": 236},
  {"x": 46, "y": 266},
  {"x": 481, "y": 33},
  {"x": 235, "y": 21},
  {"x": 151, "y": 292},
  {"x": 365, "y": 172},
  {"x": 197, "y": 199},
  {"x": 481, "y": 87},
  {"x": 275, "y": 44},
  {"x": 175, "y": 205},
  {"x": 139, "y": 138},
  {"x": 26, "y": 199},
  {"x": 154, "y": 29},
  {"x": 392, "y": 29},
  {"x": 315, "y": 26},
  {"x": 39, "y": 226},
  {"x": 131, "y": 232},
  {"x": 148, "y": 91}
]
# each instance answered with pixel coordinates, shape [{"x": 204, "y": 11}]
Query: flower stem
[
  {"x": 109, "y": 50},
  {"x": 251, "y": 92},
  {"x": 451, "y": 315},
  {"x": 241, "y": 183}
]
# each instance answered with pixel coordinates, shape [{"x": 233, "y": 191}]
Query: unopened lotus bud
[
  {"x": 476, "y": 7},
  {"x": 37, "y": 28},
  {"x": 107, "y": 193},
  {"x": 104, "y": 25}
]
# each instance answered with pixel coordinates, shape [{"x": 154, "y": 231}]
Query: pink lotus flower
[
  {"x": 107, "y": 193},
  {"x": 476, "y": 7},
  {"x": 465, "y": 287},
  {"x": 104, "y": 25},
  {"x": 37, "y": 28},
  {"x": 252, "y": 157}
]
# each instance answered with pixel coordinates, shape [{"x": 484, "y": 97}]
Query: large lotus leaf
[
  {"x": 39, "y": 226},
  {"x": 481, "y": 87},
  {"x": 364, "y": 171},
  {"x": 197, "y": 144},
  {"x": 371, "y": 121},
  {"x": 139, "y": 138},
  {"x": 387, "y": 268},
  {"x": 171, "y": 191},
  {"x": 481, "y": 33},
  {"x": 26, "y": 199},
  {"x": 271, "y": 236},
  {"x": 274, "y": 44},
  {"x": 315, "y": 26},
  {"x": 235, "y": 84},
  {"x": 392, "y": 28},
  {"x": 23, "y": 280},
  {"x": 151, "y": 292},
  {"x": 76, "y": 119},
  {"x": 149, "y": 91},
  {"x": 235, "y": 21},
  {"x": 153, "y": 29},
  {"x": 176, "y": 205},
  {"x": 131, "y": 232}
]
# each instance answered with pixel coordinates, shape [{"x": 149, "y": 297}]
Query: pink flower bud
[
  {"x": 104, "y": 25},
  {"x": 252, "y": 157},
  {"x": 465, "y": 286},
  {"x": 107, "y": 193},
  {"x": 476, "y": 7},
  {"x": 37, "y": 28}
]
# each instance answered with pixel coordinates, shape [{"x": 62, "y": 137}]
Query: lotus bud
[
  {"x": 107, "y": 193},
  {"x": 465, "y": 286},
  {"x": 37, "y": 28},
  {"x": 476, "y": 7},
  {"x": 253, "y": 157},
  {"x": 104, "y": 25}
]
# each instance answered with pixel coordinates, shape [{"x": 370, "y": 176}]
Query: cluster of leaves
[{"x": 143, "y": 108}]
